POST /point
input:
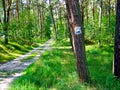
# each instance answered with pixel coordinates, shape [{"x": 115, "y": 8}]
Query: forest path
[{"x": 13, "y": 69}]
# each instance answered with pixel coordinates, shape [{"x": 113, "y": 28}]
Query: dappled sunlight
[
  {"x": 62, "y": 47},
  {"x": 14, "y": 68},
  {"x": 11, "y": 51},
  {"x": 55, "y": 69},
  {"x": 4, "y": 49}
]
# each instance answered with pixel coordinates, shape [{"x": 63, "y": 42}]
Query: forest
[{"x": 59, "y": 44}]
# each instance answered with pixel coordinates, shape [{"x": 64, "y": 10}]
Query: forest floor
[
  {"x": 13, "y": 69},
  {"x": 56, "y": 70}
]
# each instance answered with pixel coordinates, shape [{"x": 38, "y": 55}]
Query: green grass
[
  {"x": 56, "y": 70},
  {"x": 13, "y": 50},
  {"x": 30, "y": 57},
  {"x": 100, "y": 66}
]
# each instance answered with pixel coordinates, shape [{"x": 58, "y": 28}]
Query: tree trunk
[
  {"x": 21, "y": 5},
  {"x": 87, "y": 17},
  {"x": 55, "y": 28},
  {"x": 109, "y": 14},
  {"x": 117, "y": 43},
  {"x": 41, "y": 23},
  {"x": 77, "y": 38},
  {"x": 43, "y": 20},
  {"x": 93, "y": 16},
  {"x": 17, "y": 10},
  {"x": 100, "y": 23},
  {"x": 69, "y": 27},
  {"x": 6, "y": 12},
  {"x": 29, "y": 31},
  {"x": 82, "y": 12}
]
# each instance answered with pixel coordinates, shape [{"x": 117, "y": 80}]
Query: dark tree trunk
[
  {"x": 117, "y": 43},
  {"x": 4, "y": 20},
  {"x": 77, "y": 38},
  {"x": 82, "y": 12},
  {"x": 100, "y": 23},
  {"x": 87, "y": 17},
  {"x": 6, "y": 12},
  {"x": 43, "y": 20},
  {"x": 29, "y": 31},
  {"x": 41, "y": 23},
  {"x": 55, "y": 28},
  {"x": 93, "y": 16},
  {"x": 17, "y": 10},
  {"x": 109, "y": 13}
]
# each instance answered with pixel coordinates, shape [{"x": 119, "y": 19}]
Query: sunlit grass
[
  {"x": 56, "y": 70},
  {"x": 13, "y": 50},
  {"x": 100, "y": 64},
  {"x": 30, "y": 57}
]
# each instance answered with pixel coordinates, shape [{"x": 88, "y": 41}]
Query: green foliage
[
  {"x": 62, "y": 43},
  {"x": 24, "y": 31},
  {"x": 47, "y": 27},
  {"x": 50, "y": 72},
  {"x": 106, "y": 33},
  {"x": 100, "y": 65},
  {"x": 11, "y": 51}
]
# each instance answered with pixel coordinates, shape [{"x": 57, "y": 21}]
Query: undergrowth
[
  {"x": 56, "y": 70},
  {"x": 13, "y": 50}
]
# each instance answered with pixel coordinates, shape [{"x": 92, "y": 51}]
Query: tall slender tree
[
  {"x": 109, "y": 14},
  {"x": 75, "y": 24},
  {"x": 117, "y": 42},
  {"x": 55, "y": 28},
  {"x": 93, "y": 16},
  {"x": 100, "y": 22},
  {"x": 6, "y": 12},
  {"x": 17, "y": 10},
  {"x": 28, "y": 8}
]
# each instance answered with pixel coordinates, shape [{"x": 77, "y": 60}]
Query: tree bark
[
  {"x": 117, "y": 43},
  {"x": 29, "y": 31},
  {"x": 77, "y": 39},
  {"x": 6, "y": 12},
  {"x": 109, "y": 14},
  {"x": 93, "y": 16},
  {"x": 55, "y": 28},
  {"x": 17, "y": 10},
  {"x": 100, "y": 23}
]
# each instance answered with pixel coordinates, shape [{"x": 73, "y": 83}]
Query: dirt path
[{"x": 13, "y": 69}]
